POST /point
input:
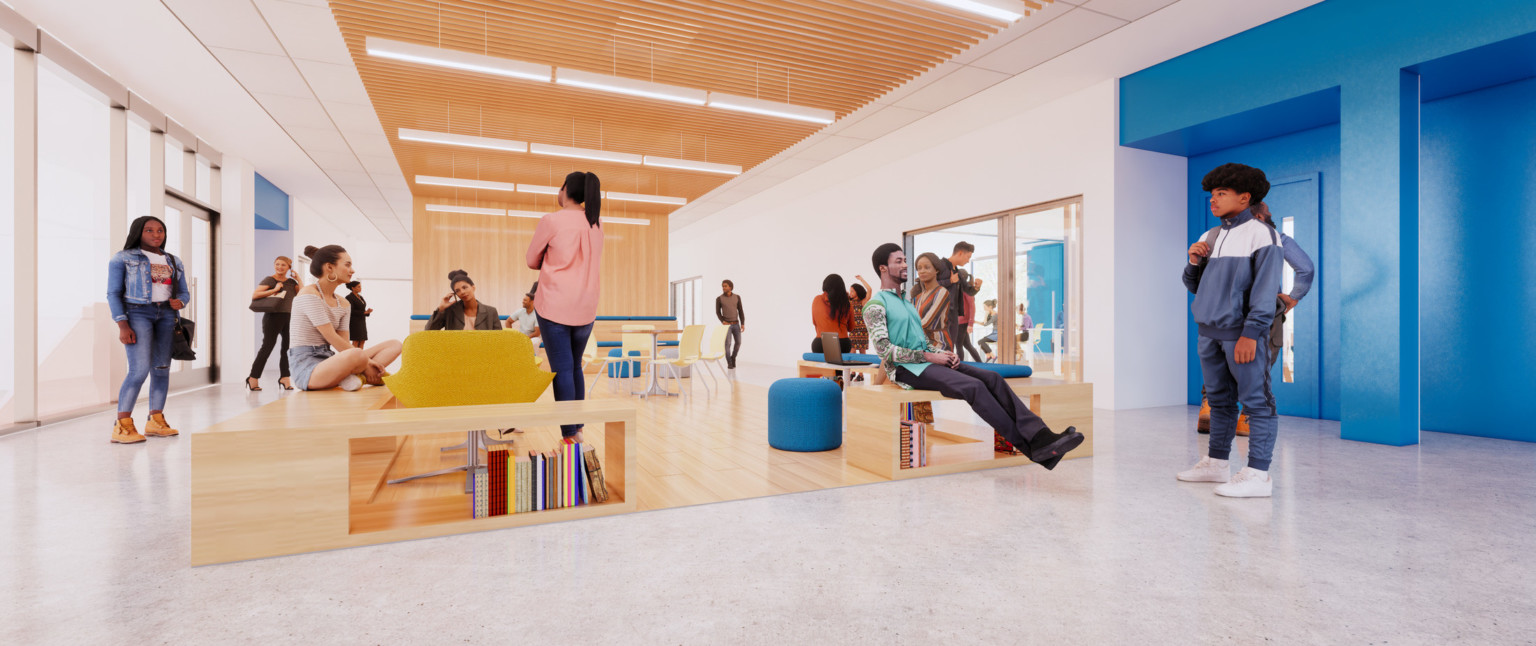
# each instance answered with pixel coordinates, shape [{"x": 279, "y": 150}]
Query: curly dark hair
[{"x": 1240, "y": 178}]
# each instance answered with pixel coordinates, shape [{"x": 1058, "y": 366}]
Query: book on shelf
[
  {"x": 520, "y": 481},
  {"x": 537, "y": 472},
  {"x": 496, "y": 465},
  {"x": 595, "y": 476},
  {"x": 480, "y": 494}
]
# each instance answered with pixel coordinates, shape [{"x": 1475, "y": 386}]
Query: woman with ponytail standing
[
  {"x": 145, "y": 288},
  {"x": 322, "y": 355},
  {"x": 567, "y": 249}
]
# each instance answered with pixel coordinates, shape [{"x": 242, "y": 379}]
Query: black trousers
[
  {"x": 987, "y": 393},
  {"x": 845, "y": 345},
  {"x": 273, "y": 325}
]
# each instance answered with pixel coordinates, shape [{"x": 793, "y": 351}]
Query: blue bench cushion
[
  {"x": 1006, "y": 370},
  {"x": 817, "y": 356},
  {"x": 805, "y": 415},
  {"x": 619, "y": 344}
]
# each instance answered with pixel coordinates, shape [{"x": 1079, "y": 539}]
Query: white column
[
  {"x": 235, "y": 195},
  {"x": 117, "y": 362},
  {"x": 25, "y": 263}
]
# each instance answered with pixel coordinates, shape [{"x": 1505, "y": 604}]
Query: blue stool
[{"x": 805, "y": 415}]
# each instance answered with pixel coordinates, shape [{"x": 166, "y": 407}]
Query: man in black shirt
[
  {"x": 729, "y": 310},
  {"x": 958, "y": 281}
]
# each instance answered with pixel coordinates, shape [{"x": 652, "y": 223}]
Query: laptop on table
[{"x": 832, "y": 351}]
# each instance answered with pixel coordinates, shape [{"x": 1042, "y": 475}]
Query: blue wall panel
[
  {"x": 1313, "y": 151},
  {"x": 1363, "y": 48},
  {"x": 271, "y": 206},
  {"x": 1478, "y": 261}
]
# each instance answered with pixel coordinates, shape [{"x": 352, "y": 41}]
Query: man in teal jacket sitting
[{"x": 896, "y": 334}]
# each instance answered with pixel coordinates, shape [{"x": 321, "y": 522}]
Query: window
[
  {"x": 174, "y": 165},
  {"x": 76, "y": 334},
  {"x": 685, "y": 301},
  {"x": 1028, "y": 262},
  {"x": 7, "y": 235}
]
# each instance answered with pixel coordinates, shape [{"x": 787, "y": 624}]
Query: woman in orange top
[{"x": 831, "y": 312}]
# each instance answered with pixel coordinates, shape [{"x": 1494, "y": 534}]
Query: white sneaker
[
  {"x": 351, "y": 383},
  {"x": 1208, "y": 469},
  {"x": 1248, "y": 483}
]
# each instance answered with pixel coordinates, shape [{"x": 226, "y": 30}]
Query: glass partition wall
[
  {"x": 1028, "y": 262},
  {"x": 80, "y": 158}
]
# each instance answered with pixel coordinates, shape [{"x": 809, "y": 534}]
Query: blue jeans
[
  {"x": 563, "y": 344},
  {"x": 149, "y": 356},
  {"x": 1227, "y": 383},
  {"x": 732, "y": 344}
]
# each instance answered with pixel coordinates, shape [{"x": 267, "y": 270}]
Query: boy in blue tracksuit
[{"x": 1234, "y": 281}]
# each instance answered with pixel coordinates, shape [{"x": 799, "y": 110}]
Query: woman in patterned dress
[{"x": 932, "y": 301}]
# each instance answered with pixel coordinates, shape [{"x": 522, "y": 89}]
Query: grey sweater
[{"x": 729, "y": 310}]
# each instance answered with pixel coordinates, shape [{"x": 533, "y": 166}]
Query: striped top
[{"x": 310, "y": 312}]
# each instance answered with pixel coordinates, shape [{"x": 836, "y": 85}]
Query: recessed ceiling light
[
  {"x": 631, "y": 87},
  {"x": 454, "y": 59},
  {"x": 426, "y": 136},
  {"x": 770, "y": 108},
  {"x": 473, "y": 210},
  {"x": 990, "y": 9},
  {"x": 688, "y": 164},
  {"x": 465, "y": 183},
  {"x": 584, "y": 153}
]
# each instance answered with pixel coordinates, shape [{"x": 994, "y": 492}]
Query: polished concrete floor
[{"x": 1361, "y": 544}]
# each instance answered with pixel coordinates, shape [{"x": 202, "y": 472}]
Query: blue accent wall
[
  {"x": 1371, "y": 51},
  {"x": 1478, "y": 261},
  {"x": 271, "y": 206},
  {"x": 1047, "y": 290},
  {"x": 1312, "y": 151}
]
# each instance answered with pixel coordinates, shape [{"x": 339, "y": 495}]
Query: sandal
[{"x": 256, "y": 387}]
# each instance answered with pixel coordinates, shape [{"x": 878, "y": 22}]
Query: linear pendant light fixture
[
  {"x": 425, "y": 136},
  {"x": 629, "y": 86},
  {"x": 506, "y": 67},
  {"x": 475, "y": 210},
  {"x": 688, "y": 164},
  {"x": 991, "y": 9},
  {"x": 465, "y": 183},
  {"x": 508, "y": 145},
  {"x": 584, "y": 153},
  {"x": 454, "y": 59},
  {"x": 770, "y": 108}
]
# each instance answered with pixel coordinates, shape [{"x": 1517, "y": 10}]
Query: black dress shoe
[{"x": 1047, "y": 447}]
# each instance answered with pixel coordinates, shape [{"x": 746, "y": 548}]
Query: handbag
[
  {"x": 268, "y": 305},
  {"x": 185, "y": 329}
]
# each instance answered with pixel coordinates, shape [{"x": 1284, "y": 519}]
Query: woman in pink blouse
[{"x": 567, "y": 250}]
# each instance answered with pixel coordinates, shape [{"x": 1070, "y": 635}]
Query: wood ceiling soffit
[{"x": 836, "y": 55}]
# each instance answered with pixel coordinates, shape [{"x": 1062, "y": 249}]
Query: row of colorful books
[
  {"x": 566, "y": 477},
  {"x": 914, "y": 444}
]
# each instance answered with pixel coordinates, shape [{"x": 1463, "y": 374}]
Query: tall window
[
  {"x": 7, "y": 234},
  {"x": 76, "y": 333},
  {"x": 686, "y": 299}
]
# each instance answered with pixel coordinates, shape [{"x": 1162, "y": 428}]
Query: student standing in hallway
[
  {"x": 145, "y": 288},
  {"x": 360, "y": 314},
  {"x": 729, "y": 310},
  {"x": 284, "y": 284},
  {"x": 567, "y": 249},
  {"x": 1234, "y": 282},
  {"x": 953, "y": 276}
]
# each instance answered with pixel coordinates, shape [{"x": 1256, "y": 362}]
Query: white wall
[
  {"x": 384, "y": 269},
  {"x": 777, "y": 245},
  {"x": 237, "y": 276}
]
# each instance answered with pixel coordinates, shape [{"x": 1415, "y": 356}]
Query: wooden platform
[{"x": 675, "y": 453}]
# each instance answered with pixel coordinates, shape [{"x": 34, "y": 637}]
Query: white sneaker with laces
[
  {"x": 1248, "y": 483},
  {"x": 351, "y": 383},
  {"x": 1208, "y": 469}
]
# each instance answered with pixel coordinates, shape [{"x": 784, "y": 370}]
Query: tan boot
[
  {"x": 1242, "y": 424},
  {"x": 123, "y": 432},
  {"x": 1203, "y": 424},
  {"x": 156, "y": 426}
]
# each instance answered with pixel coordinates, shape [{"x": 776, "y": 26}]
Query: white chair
[
  {"x": 716, "y": 353},
  {"x": 687, "y": 355},
  {"x": 628, "y": 342}
]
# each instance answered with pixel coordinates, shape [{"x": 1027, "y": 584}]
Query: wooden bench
[
  {"x": 278, "y": 479},
  {"x": 872, "y": 440}
]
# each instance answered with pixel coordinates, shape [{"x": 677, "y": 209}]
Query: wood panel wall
[{"x": 493, "y": 249}]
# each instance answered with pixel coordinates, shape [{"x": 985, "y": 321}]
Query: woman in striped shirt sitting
[{"x": 322, "y": 355}]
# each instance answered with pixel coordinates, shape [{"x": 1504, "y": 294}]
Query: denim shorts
[{"x": 302, "y": 360}]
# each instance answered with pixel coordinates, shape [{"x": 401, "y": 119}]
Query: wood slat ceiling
[{"x": 832, "y": 54}]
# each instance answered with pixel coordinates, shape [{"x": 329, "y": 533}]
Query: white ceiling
[{"x": 268, "y": 81}]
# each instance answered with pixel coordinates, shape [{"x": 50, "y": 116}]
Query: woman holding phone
[
  {"x": 284, "y": 284},
  {"x": 460, "y": 310}
]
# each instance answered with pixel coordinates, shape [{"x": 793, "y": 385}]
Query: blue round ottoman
[{"x": 805, "y": 415}]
